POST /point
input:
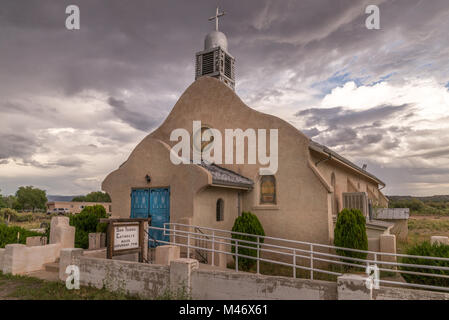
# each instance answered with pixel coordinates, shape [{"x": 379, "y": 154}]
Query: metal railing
[{"x": 313, "y": 257}]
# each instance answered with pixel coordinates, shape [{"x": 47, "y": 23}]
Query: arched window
[
  {"x": 220, "y": 210},
  {"x": 268, "y": 190}
]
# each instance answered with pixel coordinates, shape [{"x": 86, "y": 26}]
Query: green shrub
[
  {"x": 85, "y": 222},
  {"x": 432, "y": 250},
  {"x": 247, "y": 223},
  {"x": 8, "y": 235},
  {"x": 6, "y": 212},
  {"x": 350, "y": 232}
]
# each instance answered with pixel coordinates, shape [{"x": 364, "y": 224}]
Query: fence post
[
  {"x": 294, "y": 263},
  {"x": 236, "y": 255},
  {"x": 213, "y": 248},
  {"x": 174, "y": 234},
  {"x": 258, "y": 254},
  {"x": 311, "y": 261},
  {"x": 188, "y": 245}
]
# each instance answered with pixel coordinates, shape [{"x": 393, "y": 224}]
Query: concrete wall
[
  {"x": 2, "y": 252},
  {"x": 136, "y": 278},
  {"x": 225, "y": 285},
  {"x": 149, "y": 280},
  {"x": 20, "y": 259}
]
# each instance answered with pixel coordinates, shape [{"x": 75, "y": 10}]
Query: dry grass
[{"x": 422, "y": 228}]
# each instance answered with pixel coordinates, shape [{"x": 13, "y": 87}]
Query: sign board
[{"x": 126, "y": 237}]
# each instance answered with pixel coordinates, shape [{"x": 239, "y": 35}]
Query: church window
[
  {"x": 220, "y": 210},
  {"x": 268, "y": 190}
]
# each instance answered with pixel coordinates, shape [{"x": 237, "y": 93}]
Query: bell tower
[{"x": 215, "y": 60}]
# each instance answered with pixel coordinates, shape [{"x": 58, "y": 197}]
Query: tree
[
  {"x": 96, "y": 196},
  {"x": 31, "y": 198},
  {"x": 87, "y": 221},
  {"x": 2, "y": 201}
]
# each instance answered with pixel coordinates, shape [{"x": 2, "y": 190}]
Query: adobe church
[{"x": 299, "y": 201}]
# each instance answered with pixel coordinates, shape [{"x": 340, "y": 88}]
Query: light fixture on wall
[{"x": 148, "y": 178}]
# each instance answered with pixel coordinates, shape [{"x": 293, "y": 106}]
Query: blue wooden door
[
  {"x": 160, "y": 213},
  {"x": 140, "y": 203}
]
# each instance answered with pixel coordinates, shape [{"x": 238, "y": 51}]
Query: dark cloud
[
  {"x": 140, "y": 54},
  {"x": 338, "y": 116},
  {"x": 68, "y": 162},
  {"x": 136, "y": 120},
  {"x": 17, "y": 147}
]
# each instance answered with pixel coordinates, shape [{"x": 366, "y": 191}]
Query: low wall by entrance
[
  {"x": 150, "y": 281},
  {"x": 21, "y": 259}
]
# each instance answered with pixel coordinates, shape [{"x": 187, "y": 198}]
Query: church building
[{"x": 298, "y": 201}]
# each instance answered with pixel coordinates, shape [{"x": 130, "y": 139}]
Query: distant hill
[
  {"x": 51, "y": 198},
  {"x": 439, "y": 198}
]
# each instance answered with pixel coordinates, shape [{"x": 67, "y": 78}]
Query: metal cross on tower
[{"x": 218, "y": 14}]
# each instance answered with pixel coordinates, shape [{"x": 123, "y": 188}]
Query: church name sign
[
  {"x": 208, "y": 147},
  {"x": 126, "y": 237}
]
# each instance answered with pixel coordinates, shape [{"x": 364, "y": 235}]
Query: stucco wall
[
  {"x": 20, "y": 259},
  {"x": 342, "y": 175},
  {"x": 302, "y": 209},
  {"x": 152, "y": 157},
  {"x": 205, "y": 207}
]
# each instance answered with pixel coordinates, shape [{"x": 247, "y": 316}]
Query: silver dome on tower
[
  {"x": 216, "y": 39},
  {"x": 215, "y": 61}
]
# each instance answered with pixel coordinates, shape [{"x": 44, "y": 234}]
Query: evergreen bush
[
  {"x": 350, "y": 232},
  {"x": 247, "y": 223}
]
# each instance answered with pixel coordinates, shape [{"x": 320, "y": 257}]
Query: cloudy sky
[{"x": 73, "y": 104}]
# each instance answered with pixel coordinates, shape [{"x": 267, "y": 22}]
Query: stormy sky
[{"x": 73, "y": 104}]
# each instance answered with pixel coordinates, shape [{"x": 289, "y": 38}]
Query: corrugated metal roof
[{"x": 392, "y": 213}]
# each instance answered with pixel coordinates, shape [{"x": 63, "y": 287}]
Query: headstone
[
  {"x": 94, "y": 241},
  {"x": 36, "y": 241}
]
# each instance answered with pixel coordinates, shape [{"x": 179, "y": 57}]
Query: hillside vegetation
[{"x": 432, "y": 205}]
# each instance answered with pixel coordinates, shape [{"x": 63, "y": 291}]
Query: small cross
[{"x": 217, "y": 15}]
